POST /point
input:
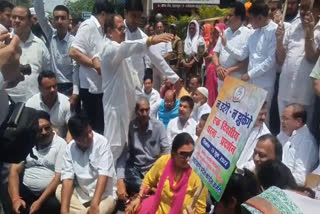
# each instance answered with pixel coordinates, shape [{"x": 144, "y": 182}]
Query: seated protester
[
  {"x": 51, "y": 101},
  {"x": 300, "y": 149},
  {"x": 168, "y": 108},
  {"x": 282, "y": 194},
  {"x": 87, "y": 172},
  {"x": 268, "y": 148},
  {"x": 194, "y": 83},
  {"x": 241, "y": 186},
  {"x": 167, "y": 85},
  {"x": 146, "y": 143},
  {"x": 167, "y": 171},
  {"x": 180, "y": 89},
  {"x": 39, "y": 173},
  {"x": 201, "y": 107},
  {"x": 259, "y": 129},
  {"x": 184, "y": 122},
  {"x": 201, "y": 124},
  {"x": 152, "y": 95}
]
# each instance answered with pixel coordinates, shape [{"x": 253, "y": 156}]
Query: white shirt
[
  {"x": 300, "y": 153},
  {"x": 61, "y": 63},
  {"x": 262, "y": 56},
  {"x": 246, "y": 157},
  {"x": 85, "y": 167},
  {"x": 154, "y": 100},
  {"x": 175, "y": 127},
  {"x": 38, "y": 173},
  {"x": 35, "y": 53},
  {"x": 198, "y": 111},
  {"x": 163, "y": 48},
  {"x": 119, "y": 83},
  {"x": 59, "y": 113},
  {"x": 235, "y": 50},
  {"x": 89, "y": 40},
  {"x": 295, "y": 85},
  {"x": 139, "y": 61},
  {"x": 4, "y": 102}
]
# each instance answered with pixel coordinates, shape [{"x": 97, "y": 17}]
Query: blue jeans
[{"x": 133, "y": 179}]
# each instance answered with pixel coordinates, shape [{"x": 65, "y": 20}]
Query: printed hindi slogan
[{"x": 225, "y": 133}]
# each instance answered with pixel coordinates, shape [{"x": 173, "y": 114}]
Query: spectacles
[{"x": 184, "y": 155}]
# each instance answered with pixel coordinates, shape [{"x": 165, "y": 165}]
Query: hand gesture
[
  {"x": 35, "y": 207},
  {"x": 309, "y": 23},
  {"x": 122, "y": 191},
  {"x": 133, "y": 207},
  {"x": 280, "y": 32},
  {"x": 221, "y": 73},
  {"x": 18, "y": 204},
  {"x": 165, "y": 37}
]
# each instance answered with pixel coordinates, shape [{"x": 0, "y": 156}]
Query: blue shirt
[{"x": 165, "y": 116}]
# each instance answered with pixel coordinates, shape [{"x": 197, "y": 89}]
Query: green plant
[{"x": 77, "y": 7}]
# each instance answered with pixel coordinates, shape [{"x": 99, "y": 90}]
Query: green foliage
[
  {"x": 77, "y": 7},
  {"x": 211, "y": 12},
  {"x": 26, "y": 3}
]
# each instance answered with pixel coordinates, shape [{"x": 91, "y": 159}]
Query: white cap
[
  {"x": 32, "y": 11},
  {"x": 203, "y": 91}
]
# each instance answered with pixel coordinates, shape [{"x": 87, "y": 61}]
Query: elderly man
[
  {"x": 40, "y": 173},
  {"x": 147, "y": 142},
  {"x": 51, "y": 101},
  {"x": 60, "y": 41},
  {"x": 34, "y": 52},
  {"x": 300, "y": 149},
  {"x": 200, "y": 99},
  {"x": 88, "y": 171},
  {"x": 168, "y": 108},
  {"x": 268, "y": 148},
  {"x": 184, "y": 122},
  {"x": 259, "y": 129},
  {"x": 297, "y": 51}
]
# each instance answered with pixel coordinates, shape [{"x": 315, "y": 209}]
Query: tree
[{"x": 77, "y": 7}]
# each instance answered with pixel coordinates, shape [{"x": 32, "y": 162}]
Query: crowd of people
[{"x": 120, "y": 109}]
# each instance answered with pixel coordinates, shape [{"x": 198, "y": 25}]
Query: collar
[
  {"x": 187, "y": 123},
  {"x": 95, "y": 20},
  {"x": 57, "y": 101},
  {"x": 66, "y": 38},
  {"x": 136, "y": 125},
  {"x": 299, "y": 131},
  {"x": 30, "y": 39}
]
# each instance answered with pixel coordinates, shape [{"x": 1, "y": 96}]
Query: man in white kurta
[
  {"x": 300, "y": 149},
  {"x": 152, "y": 95},
  {"x": 119, "y": 81},
  {"x": 260, "y": 128},
  {"x": 295, "y": 85},
  {"x": 225, "y": 59}
]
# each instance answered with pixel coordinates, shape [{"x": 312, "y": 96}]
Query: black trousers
[
  {"x": 93, "y": 107},
  {"x": 50, "y": 206}
]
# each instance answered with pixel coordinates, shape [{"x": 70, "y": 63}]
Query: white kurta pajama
[
  {"x": 295, "y": 85},
  {"x": 246, "y": 157},
  {"x": 300, "y": 153}
]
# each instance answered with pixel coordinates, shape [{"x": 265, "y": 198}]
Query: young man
[
  {"x": 60, "y": 41},
  {"x": 5, "y": 15},
  {"x": 151, "y": 94},
  {"x": 53, "y": 102},
  {"x": 184, "y": 122},
  {"x": 200, "y": 99},
  {"x": 133, "y": 12},
  {"x": 41, "y": 171},
  {"x": 300, "y": 149},
  {"x": 34, "y": 52},
  {"x": 88, "y": 171},
  {"x": 226, "y": 61},
  {"x": 87, "y": 43}
]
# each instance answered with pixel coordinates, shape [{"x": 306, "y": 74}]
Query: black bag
[{"x": 18, "y": 133}]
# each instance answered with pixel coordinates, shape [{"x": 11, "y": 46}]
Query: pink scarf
[{"x": 151, "y": 204}]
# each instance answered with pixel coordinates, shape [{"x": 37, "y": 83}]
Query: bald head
[{"x": 169, "y": 99}]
